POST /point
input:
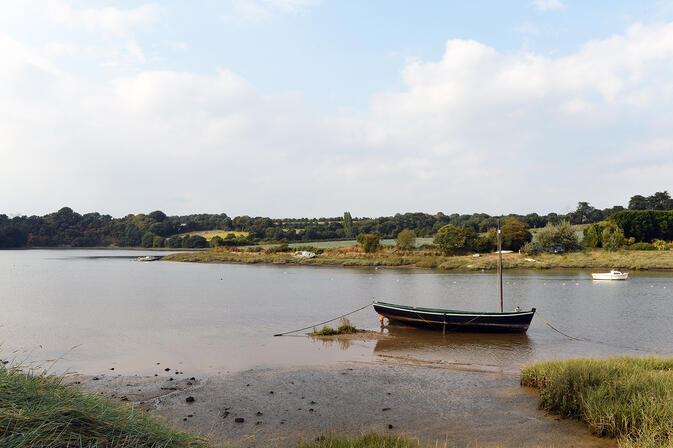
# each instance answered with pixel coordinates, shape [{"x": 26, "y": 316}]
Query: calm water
[{"x": 204, "y": 318}]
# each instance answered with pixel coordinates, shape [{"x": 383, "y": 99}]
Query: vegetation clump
[
  {"x": 38, "y": 411},
  {"x": 345, "y": 327},
  {"x": 371, "y": 440},
  {"x": 627, "y": 398}
]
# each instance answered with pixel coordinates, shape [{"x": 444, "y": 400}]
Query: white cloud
[
  {"x": 548, "y": 5},
  {"x": 477, "y": 130},
  {"x": 110, "y": 19}
]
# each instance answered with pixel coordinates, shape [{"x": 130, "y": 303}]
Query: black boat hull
[{"x": 450, "y": 320}]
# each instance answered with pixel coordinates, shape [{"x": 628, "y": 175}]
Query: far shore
[{"x": 432, "y": 259}]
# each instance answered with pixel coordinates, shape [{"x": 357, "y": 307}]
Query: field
[{"x": 434, "y": 259}]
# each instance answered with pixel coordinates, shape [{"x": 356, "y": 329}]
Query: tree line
[{"x": 68, "y": 228}]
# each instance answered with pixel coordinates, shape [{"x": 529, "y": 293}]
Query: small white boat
[
  {"x": 612, "y": 275},
  {"x": 148, "y": 258}
]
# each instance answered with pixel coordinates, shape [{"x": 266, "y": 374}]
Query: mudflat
[{"x": 451, "y": 406}]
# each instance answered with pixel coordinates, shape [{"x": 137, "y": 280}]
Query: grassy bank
[
  {"x": 433, "y": 259},
  {"x": 627, "y": 398},
  {"x": 38, "y": 411}
]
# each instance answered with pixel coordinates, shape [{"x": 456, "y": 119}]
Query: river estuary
[{"x": 216, "y": 318}]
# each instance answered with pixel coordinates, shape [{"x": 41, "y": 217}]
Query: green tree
[
  {"x": 147, "y": 239},
  {"x": 406, "y": 240},
  {"x": 515, "y": 234},
  {"x": 612, "y": 238},
  {"x": 638, "y": 202},
  {"x": 174, "y": 242},
  {"x": 592, "y": 236},
  {"x": 454, "y": 239},
  {"x": 348, "y": 225},
  {"x": 158, "y": 241},
  {"x": 370, "y": 242}
]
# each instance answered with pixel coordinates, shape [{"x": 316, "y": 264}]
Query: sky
[{"x": 309, "y": 108}]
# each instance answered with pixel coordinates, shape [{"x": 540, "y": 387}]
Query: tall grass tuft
[
  {"x": 627, "y": 398},
  {"x": 39, "y": 411},
  {"x": 365, "y": 441}
]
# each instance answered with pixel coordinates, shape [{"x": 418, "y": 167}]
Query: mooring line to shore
[
  {"x": 326, "y": 322},
  {"x": 557, "y": 330}
]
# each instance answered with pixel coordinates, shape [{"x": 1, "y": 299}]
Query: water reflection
[{"x": 509, "y": 351}]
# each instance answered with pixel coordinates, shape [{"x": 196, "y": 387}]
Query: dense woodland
[{"x": 646, "y": 218}]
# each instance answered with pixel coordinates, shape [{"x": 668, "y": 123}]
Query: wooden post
[
  {"x": 444, "y": 326},
  {"x": 500, "y": 267}
]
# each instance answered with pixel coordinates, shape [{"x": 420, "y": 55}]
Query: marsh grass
[
  {"x": 37, "y": 410},
  {"x": 627, "y": 398},
  {"x": 364, "y": 441},
  {"x": 345, "y": 327}
]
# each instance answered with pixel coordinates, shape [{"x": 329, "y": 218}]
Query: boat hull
[
  {"x": 609, "y": 276},
  {"x": 451, "y": 320}
]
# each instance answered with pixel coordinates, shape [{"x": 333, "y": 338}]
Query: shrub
[
  {"x": 561, "y": 234},
  {"x": 280, "y": 248},
  {"x": 612, "y": 238},
  {"x": 406, "y": 239},
  {"x": 216, "y": 241},
  {"x": 641, "y": 246},
  {"x": 660, "y": 245},
  {"x": 531, "y": 248},
  {"x": 370, "y": 243}
]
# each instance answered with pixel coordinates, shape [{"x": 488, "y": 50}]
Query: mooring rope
[
  {"x": 326, "y": 322},
  {"x": 557, "y": 330}
]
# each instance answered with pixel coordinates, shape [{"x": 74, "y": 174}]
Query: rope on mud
[
  {"x": 326, "y": 322},
  {"x": 558, "y": 331}
]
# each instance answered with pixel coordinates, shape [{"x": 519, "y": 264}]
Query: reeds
[
  {"x": 627, "y": 398},
  {"x": 365, "y": 441}
]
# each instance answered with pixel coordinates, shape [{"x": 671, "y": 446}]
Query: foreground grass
[
  {"x": 434, "y": 259},
  {"x": 366, "y": 441},
  {"x": 627, "y": 398},
  {"x": 38, "y": 411}
]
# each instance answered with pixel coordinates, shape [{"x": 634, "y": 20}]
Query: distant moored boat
[{"x": 612, "y": 275}]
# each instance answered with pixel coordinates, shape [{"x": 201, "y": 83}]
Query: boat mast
[{"x": 500, "y": 266}]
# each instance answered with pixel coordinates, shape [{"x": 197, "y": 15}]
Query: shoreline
[
  {"x": 657, "y": 261},
  {"x": 283, "y": 406}
]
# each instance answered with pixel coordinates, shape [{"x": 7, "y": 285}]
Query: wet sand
[{"x": 451, "y": 406}]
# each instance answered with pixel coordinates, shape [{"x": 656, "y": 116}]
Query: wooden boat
[
  {"x": 612, "y": 275},
  {"x": 454, "y": 320}
]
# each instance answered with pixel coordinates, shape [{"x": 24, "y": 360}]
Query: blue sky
[{"x": 311, "y": 108}]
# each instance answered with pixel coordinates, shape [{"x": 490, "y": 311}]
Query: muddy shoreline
[{"x": 450, "y": 405}]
